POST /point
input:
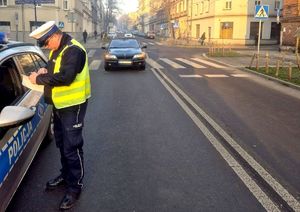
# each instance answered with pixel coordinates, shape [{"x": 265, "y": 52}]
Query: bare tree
[{"x": 112, "y": 9}]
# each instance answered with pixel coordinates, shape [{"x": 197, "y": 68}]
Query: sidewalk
[
  {"x": 92, "y": 42},
  {"x": 246, "y": 55},
  {"x": 243, "y": 61}
]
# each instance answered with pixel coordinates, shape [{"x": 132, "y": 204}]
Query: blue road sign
[
  {"x": 61, "y": 24},
  {"x": 261, "y": 12},
  {"x": 34, "y": 1}
]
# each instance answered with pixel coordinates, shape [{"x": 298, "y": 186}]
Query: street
[{"x": 186, "y": 134}]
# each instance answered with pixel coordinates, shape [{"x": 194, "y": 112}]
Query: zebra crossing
[{"x": 178, "y": 64}]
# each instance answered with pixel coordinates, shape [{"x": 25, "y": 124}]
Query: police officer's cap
[{"x": 43, "y": 32}]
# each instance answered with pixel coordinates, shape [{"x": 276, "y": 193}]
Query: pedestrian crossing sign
[{"x": 261, "y": 11}]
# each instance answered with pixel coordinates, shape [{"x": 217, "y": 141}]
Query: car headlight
[
  {"x": 110, "y": 57},
  {"x": 140, "y": 56}
]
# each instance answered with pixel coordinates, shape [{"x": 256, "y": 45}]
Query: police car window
[
  {"x": 10, "y": 91},
  {"x": 27, "y": 63},
  {"x": 39, "y": 61}
]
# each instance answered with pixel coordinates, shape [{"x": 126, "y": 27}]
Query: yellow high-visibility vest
[{"x": 79, "y": 90}]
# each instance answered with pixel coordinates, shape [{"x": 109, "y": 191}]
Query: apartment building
[
  {"x": 72, "y": 16},
  {"x": 224, "y": 21},
  {"x": 290, "y": 22}
]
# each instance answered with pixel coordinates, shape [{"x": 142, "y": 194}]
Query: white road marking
[
  {"x": 240, "y": 75},
  {"x": 153, "y": 63},
  {"x": 158, "y": 43},
  {"x": 190, "y": 76},
  {"x": 151, "y": 43},
  {"x": 208, "y": 63},
  {"x": 95, "y": 65},
  {"x": 260, "y": 195},
  {"x": 91, "y": 53},
  {"x": 194, "y": 65},
  {"x": 171, "y": 63},
  {"x": 252, "y": 186},
  {"x": 216, "y": 75}
]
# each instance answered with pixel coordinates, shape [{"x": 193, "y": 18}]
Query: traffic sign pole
[{"x": 259, "y": 37}]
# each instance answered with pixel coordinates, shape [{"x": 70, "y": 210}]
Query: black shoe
[
  {"x": 56, "y": 182},
  {"x": 68, "y": 201}
]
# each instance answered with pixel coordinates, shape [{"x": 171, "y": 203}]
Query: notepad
[{"x": 26, "y": 82}]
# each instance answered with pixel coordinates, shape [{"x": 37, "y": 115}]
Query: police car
[{"x": 25, "y": 119}]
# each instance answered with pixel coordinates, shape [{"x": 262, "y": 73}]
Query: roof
[{"x": 6, "y": 50}]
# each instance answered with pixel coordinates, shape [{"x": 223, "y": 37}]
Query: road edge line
[{"x": 275, "y": 185}]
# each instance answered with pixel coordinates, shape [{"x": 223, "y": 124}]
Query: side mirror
[
  {"x": 15, "y": 115},
  {"x": 144, "y": 46}
]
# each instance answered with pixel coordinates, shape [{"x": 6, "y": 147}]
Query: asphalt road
[{"x": 144, "y": 153}]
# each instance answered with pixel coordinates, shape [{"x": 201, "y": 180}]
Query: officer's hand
[
  {"x": 32, "y": 77},
  {"x": 42, "y": 71}
]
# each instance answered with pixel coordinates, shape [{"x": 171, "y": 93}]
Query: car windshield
[{"x": 126, "y": 43}]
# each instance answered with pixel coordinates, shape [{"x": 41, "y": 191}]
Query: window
[
  {"x": 65, "y": 5},
  {"x": 10, "y": 87},
  {"x": 207, "y": 6},
  {"x": 184, "y": 5},
  {"x": 277, "y": 5},
  {"x": 4, "y": 26},
  {"x": 32, "y": 24},
  {"x": 226, "y": 31},
  {"x": 40, "y": 63},
  {"x": 197, "y": 9},
  {"x": 27, "y": 63},
  {"x": 228, "y": 5},
  {"x": 181, "y": 6},
  {"x": 257, "y": 2},
  {"x": 201, "y": 7},
  {"x": 3, "y": 3},
  {"x": 197, "y": 30}
]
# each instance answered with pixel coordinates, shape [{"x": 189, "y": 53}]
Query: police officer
[{"x": 67, "y": 87}]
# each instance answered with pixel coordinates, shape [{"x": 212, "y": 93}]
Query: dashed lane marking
[
  {"x": 240, "y": 75},
  {"x": 153, "y": 63},
  {"x": 95, "y": 65},
  {"x": 194, "y": 65},
  {"x": 216, "y": 75},
  {"x": 91, "y": 53},
  {"x": 190, "y": 76},
  {"x": 171, "y": 63},
  {"x": 208, "y": 63}
]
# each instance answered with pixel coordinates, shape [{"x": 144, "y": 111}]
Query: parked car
[
  {"x": 124, "y": 53},
  {"x": 25, "y": 118},
  {"x": 128, "y": 35},
  {"x": 150, "y": 35},
  {"x": 111, "y": 35}
]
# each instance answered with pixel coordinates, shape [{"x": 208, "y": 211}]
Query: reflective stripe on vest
[{"x": 79, "y": 90}]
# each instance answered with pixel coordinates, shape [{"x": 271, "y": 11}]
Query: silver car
[{"x": 25, "y": 119}]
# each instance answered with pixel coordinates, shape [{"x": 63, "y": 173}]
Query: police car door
[{"x": 18, "y": 144}]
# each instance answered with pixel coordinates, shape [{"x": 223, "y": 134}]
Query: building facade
[
  {"x": 222, "y": 21},
  {"x": 290, "y": 21},
  {"x": 72, "y": 16}
]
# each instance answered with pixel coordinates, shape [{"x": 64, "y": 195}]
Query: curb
[{"x": 279, "y": 81}]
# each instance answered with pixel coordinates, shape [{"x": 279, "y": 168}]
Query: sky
[{"x": 128, "y": 6}]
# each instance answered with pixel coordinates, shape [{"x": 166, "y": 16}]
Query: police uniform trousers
[{"x": 68, "y": 125}]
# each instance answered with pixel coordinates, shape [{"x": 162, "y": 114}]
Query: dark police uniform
[{"x": 68, "y": 121}]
